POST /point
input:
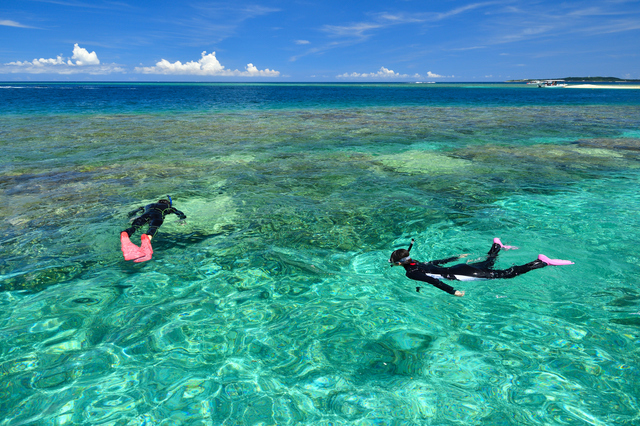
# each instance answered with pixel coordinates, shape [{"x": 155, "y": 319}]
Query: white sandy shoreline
[{"x": 601, "y": 86}]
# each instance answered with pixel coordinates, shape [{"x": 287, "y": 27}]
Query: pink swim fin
[
  {"x": 554, "y": 262},
  {"x": 497, "y": 241},
  {"x": 145, "y": 248},
  {"x": 129, "y": 250}
]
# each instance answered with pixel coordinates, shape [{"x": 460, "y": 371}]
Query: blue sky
[{"x": 323, "y": 41}]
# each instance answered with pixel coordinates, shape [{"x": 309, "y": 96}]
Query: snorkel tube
[
  {"x": 407, "y": 257},
  {"x": 404, "y": 253},
  {"x": 170, "y": 201},
  {"x": 410, "y": 245}
]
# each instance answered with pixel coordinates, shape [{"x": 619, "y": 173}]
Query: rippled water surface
[{"x": 274, "y": 304}]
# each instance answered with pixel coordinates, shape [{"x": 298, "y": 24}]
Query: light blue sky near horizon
[{"x": 330, "y": 41}]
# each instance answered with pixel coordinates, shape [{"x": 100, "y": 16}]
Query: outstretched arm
[
  {"x": 135, "y": 212},
  {"x": 447, "y": 260},
  {"x": 181, "y": 215},
  {"x": 421, "y": 276}
]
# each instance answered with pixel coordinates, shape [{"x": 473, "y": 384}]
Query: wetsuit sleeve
[
  {"x": 181, "y": 215},
  {"x": 443, "y": 261},
  {"x": 421, "y": 276},
  {"x": 136, "y": 211}
]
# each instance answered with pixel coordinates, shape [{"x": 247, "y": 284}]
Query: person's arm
[
  {"x": 447, "y": 260},
  {"x": 136, "y": 211},
  {"x": 421, "y": 276},
  {"x": 181, "y": 215}
]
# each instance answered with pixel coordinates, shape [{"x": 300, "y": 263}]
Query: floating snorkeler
[
  {"x": 432, "y": 272},
  {"x": 154, "y": 215}
]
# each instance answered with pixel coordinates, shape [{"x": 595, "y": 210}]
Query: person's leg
[
  {"x": 130, "y": 250},
  {"x": 145, "y": 239},
  {"x": 492, "y": 255},
  {"x": 154, "y": 224},
  {"x": 516, "y": 270},
  {"x": 136, "y": 224},
  {"x": 476, "y": 271}
]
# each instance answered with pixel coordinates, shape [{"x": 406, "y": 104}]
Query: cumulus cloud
[
  {"x": 83, "y": 57},
  {"x": 385, "y": 73},
  {"x": 434, "y": 75},
  {"x": 82, "y": 61},
  {"x": 207, "y": 65}
]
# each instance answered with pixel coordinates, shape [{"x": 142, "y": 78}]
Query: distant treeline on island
[{"x": 579, "y": 80}]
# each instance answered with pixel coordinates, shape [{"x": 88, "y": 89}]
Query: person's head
[
  {"x": 401, "y": 256},
  {"x": 167, "y": 200}
]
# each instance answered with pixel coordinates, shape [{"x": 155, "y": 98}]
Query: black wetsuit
[
  {"x": 430, "y": 272},
  {"x": 153, "y": 215}
]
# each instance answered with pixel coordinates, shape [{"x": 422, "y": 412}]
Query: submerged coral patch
[{"x": 426, "y": 162}]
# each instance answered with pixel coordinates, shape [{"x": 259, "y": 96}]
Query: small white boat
[{"x": 552, "y": 83}]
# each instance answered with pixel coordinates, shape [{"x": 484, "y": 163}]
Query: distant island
[{"x": 579, "y": 80}]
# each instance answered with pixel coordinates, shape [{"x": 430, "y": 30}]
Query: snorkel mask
[{"x": 403, "y": 253}]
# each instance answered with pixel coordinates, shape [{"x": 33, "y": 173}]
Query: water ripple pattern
[{"x": 275, "y": 304}]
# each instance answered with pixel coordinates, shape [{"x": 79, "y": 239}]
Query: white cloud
[
  {"x": 382, "y": 73},
  {"x": 434, "y": 75},
  {"x": 302, "y": 41},
  {"x": 207, "y": 65},
  {"x": 82, "y": 62},
  {"x": 358, "y": 31},
  {"x": 9, "y": 23},
  {"x": 386, "y": 73},
  {"x": 83, "y": 57}
]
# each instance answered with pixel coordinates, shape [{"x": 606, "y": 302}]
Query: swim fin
[
  {"x": 145, "y": 248},
  {"x": 554, "y": 262},
  {"x": 129, "y": 250},
  {"x": 498, "y": 242}
]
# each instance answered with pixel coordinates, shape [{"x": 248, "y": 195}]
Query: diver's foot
[
  {"x": 498, "y": 242},
  {"x": 145, "y": 247},
  {"x": 554, "y": 262},
  {"x": 129, "y": 250}
]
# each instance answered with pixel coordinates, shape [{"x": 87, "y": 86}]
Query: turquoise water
[{"x": 275, "y": 303}]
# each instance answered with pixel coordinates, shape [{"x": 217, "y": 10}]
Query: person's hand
[
  {"x": 459, "y": 293},
  {"x": 463, "y": 255}
]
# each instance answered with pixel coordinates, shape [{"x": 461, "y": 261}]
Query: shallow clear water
[{"x": 275, "y": 304}]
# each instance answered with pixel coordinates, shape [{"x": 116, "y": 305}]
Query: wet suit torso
[
  {"x": 432, "y": 272},
  {"x": 154, "y": 215}
]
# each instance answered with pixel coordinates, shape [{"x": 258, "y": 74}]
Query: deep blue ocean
[{"x": 274, "y": 304}]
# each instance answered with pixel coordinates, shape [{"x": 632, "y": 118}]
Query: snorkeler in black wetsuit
[
  {"x": 154, "y": 215},
  {"x": 432, "y": 272}
]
